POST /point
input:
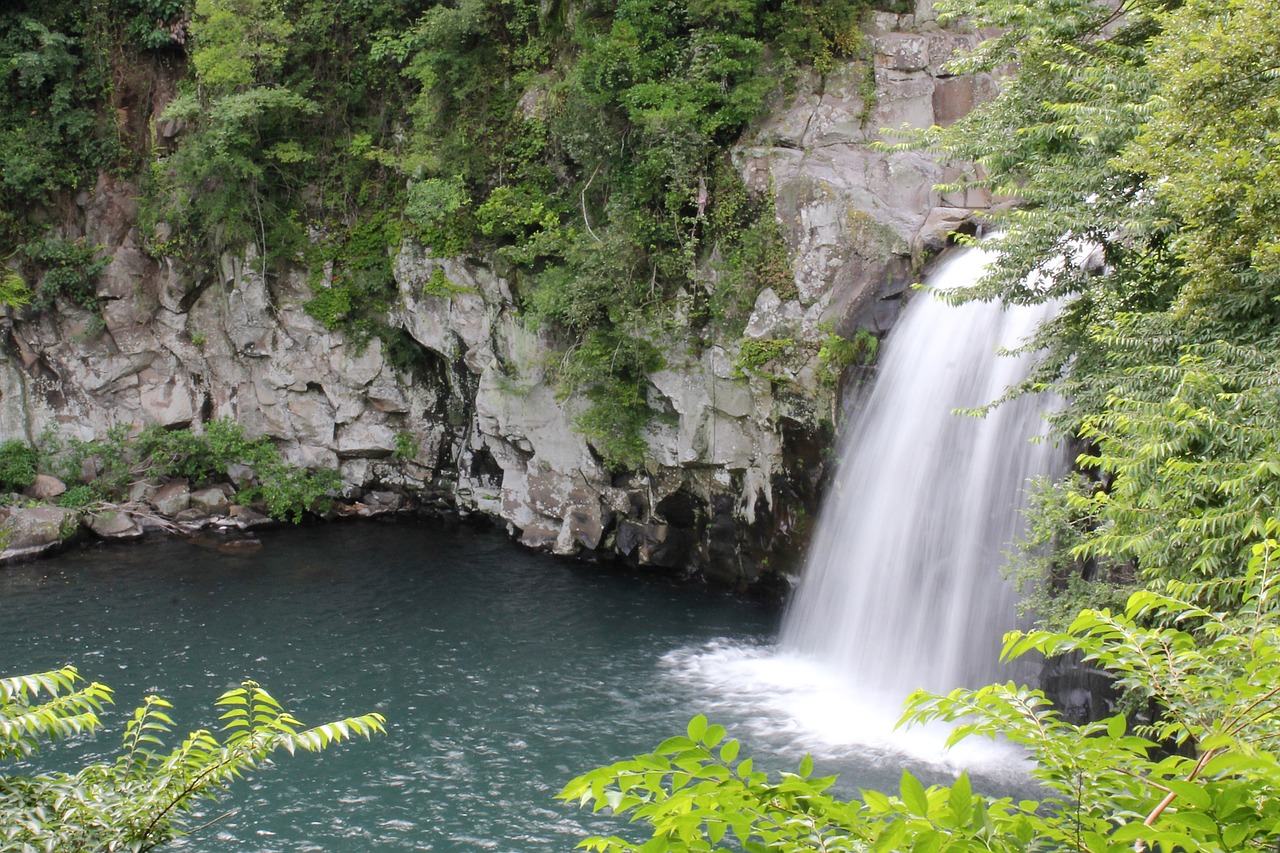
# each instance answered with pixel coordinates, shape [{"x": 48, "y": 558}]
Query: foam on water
[
  {"x": 790, "y": 700},
  {"x": 903, "y": 587}
]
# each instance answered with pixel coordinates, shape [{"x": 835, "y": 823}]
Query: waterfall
[{"x": 903, "y": 587}]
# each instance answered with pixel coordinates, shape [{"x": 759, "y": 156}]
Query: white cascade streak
[{"x": 903, "y": 586}]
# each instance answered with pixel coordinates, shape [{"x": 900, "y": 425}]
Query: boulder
[
  {"x": 172, "y": 498},
  {"x": 241, "y": 475},
  {"x": 112, "y": 524},
  {"x": 211, "y": 501},
  {"x": 585, "y": 526},
  {"x": 34, "y": 530},
  {"x": 540, "y": 535},
  {"x": 192, "y": 517},
  {"x": 245, "y": 517},
  {"x": 384, "y": 501},
  {"x": 46, "y": 488}
]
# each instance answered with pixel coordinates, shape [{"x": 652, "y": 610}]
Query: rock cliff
[{"x": 736, "y": 454}]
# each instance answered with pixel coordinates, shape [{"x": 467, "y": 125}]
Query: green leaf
[
  {"x": 913, "y": 795},
  {"x": 697, "y": 728}
]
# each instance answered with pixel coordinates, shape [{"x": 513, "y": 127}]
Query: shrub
[{"x": 17, "y": 465}]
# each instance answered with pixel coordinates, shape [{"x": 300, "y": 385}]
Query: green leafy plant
[
  {"x": 78, "y": 497},
  {"x": 66, "y": 268},
  {"x": 14, "y": 292},
  {"x": 755, "y": 353},
  {"x": 122, "y": 459},
  {"x": 142, "y": 799},
  {"x": 52, "y": 137},
  {"x": 1203, "y": 775},
  {"x": 406, "y": 446},
  {"x": 613, "y": 371},
  {"x": 438, "y": 284},
  {"x": 18, "y": 461},
  {"x": 837, "y": 353}
]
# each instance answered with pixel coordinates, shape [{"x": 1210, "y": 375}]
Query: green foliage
[
  {"x": 1054, "y": 584},
  {"x": 836, "y": 353},
  {"x": 352, "y": 277},
  {"x": 64, "y": 268},
  {"x": 613, "y": 370},
  {"x": 239, "y": 43},
  {"x": 14, "y": 292},
  {"x": 439, "y": 208},
  {"x": 748, "y": 254},
  {"x": 438, "y": 284},
  {"x": 1113, "y": 785},
  {"x": 407, "y": 446},
  {"x": 17, "y": 465},
  {"x": 122, "y": 459},
  {"x": 755, "y": 353},
  {"x": 141, "y": 800},
  {"x": 51, "y": 136},
  {"x": 290, "y": 492},
  {"x": 157, "y": 25},
  {"x": 78, "y": 497}
]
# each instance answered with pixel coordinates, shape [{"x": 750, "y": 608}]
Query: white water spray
[{"x": 903, "y": 588}]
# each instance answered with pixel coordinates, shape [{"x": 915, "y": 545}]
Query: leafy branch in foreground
[
  {"x": 1202, "y": 774},
  {"x": 142, "y": 799}
]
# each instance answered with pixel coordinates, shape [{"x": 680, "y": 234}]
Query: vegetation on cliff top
[{"x": 579, "y": 146}]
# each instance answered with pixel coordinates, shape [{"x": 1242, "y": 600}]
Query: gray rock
[
  {"x": 46, "y": 488},
  {"x": 585, "y": 526},
  {"x": 193, "y": 518},
  {"x": 541, "y": 535},
  {"x": 143, "y": 491},
  {"x": 113, "y": 524},
  {"x": 210, "y": 501},
  {"x": 172, "y": 498},
  {"x": 241, "y": 475},
  {"x": 246, "y": 517},
  {"x": 33, "y": 530}
]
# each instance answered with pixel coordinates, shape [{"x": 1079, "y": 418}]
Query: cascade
[{"x": 903, "y": 587}]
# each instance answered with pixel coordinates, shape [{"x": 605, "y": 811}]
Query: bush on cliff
[
  {"x": 17, "y": 465},
  {"x": 121, "y": 459}
]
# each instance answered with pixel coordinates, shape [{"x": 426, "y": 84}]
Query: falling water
[{"x": 903, "y": 587}]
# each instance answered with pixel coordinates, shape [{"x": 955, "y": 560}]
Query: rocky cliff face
[{"x": 735, "y": 457}]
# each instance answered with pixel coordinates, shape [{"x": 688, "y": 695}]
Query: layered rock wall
[{"x": 735, "y": 458}]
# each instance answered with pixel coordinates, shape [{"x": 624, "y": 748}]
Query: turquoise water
[{"x": 502, "y": 673}]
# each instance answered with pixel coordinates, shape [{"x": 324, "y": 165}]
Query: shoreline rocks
[{"x": 30, "y": 529}]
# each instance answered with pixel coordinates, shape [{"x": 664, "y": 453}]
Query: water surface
[{"x": 502, "y": 673}]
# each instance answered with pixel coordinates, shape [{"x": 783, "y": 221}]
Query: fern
[{"x": 140, "y": 800}]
